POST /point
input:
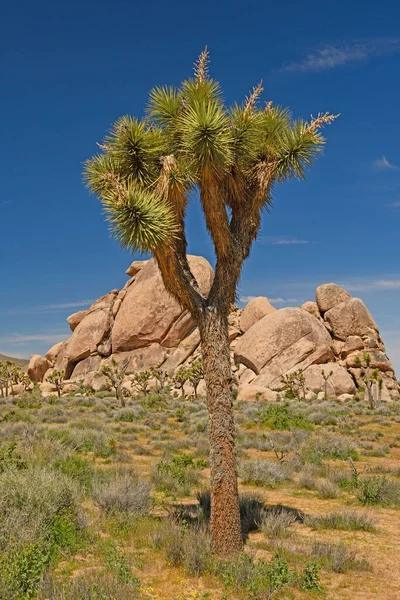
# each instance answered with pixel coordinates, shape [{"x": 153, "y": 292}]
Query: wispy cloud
[
  {"x": 373, "y": 285},
  {"x": 49, "y": 307},
  {"x": 395, "y": 204},
  {"x": 282, "y": 241},
  {"x": 334, "y": 55},
  {"x": 246, "y": 299},
  {"x": 383, "y": 164},
  {"x": 20, "y": 338},
  {"x": 283, "y": 300}
]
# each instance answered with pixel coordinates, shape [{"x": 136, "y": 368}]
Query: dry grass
[{"x": 92, "y": 458}]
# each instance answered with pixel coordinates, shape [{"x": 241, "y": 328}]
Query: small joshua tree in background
[
  {"x": 161, "y": 376},
  {"x": 326, "y": 377},
  {"x": 373, "y": 381},
  {"x": 293, "y": 383},
  {"x": 142, "y": 380},
  {"x": 195, "y": 374},
  {"x": 115, "y": 377},
  {"x": 57, "y": 379},
  {"x": 180, "y": 378}
]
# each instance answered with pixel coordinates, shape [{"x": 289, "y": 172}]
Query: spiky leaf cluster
[{"x": 190, "y": 138}]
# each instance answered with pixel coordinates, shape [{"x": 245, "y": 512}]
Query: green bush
[{"x": 281, "y": 416}]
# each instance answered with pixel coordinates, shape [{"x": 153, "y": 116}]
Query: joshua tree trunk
[{"x": 225, "y": 517}]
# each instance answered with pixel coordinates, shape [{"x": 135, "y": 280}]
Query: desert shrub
[
  {"x": 30, "y": 500},
  {"x": 77, "y": 468},
  {"x": 177, "y": 475},
  {"x": 309, "y": 578},
  {"x": 264, "y": 472},
  {"x": 184, "y": 546},
  {"x": 124, "y": 493},
  {"x": 118, "y": 564},
  {"x": 281, "y": 416},
  {"x": 345, "y": 520},
  {"x": 40, "y": 518},
  {"x": 10, "y": 457},
  {"x": 92, "y": 586},
  {"x": 329, "y": 446},
  {"x": 326, "y": 489},
  {"x": 338, "y": 558},
  {"x": 275, "y": 523},
  {"x": 258, "y": 578},
  {"x": 378, "y": 490}
]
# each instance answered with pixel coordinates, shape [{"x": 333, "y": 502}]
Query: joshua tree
[
  {"x": 180, "y": 378},
  {"x": 115, "y": 377},
  {"x": 142, "y": 380},
  {"x": 373, "y": 381},
  {"x": 195, "y": 374},
  {"x": 148, "y": 170},
  {"x": 293, "y": 383},
  {"x": 326, "y": 377},
  {"x": 57, "y": 379},
  {"x": 162, "y": 377}
]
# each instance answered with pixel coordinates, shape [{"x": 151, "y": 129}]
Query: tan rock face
[
  {"x": 178, "y": 355},
  {"x": 38, "y": 365},
  {"x": 182, "y": 327},
  {"x": 85, "y": 366},
  {"x": 135, "y": 267},
  {"x": 329, "y": 295},
  {"x": 140, "y": 359},
  {"x": 54, "y": 351},
  {"x": 287, "y": 339},
  {"x": 350, "y": 318},
  {"x": 248, "y": 392},
  {"x": 148, "y": 311},
  {"x": 379, "y": 360},
  {"x": 352, "y": 344},
  {"x": 74, "y": 320},
  {"x": 340, "y": 382},
  {"x": 255, "y": 310},
  {"x": 312, "y": 308},
  {"x": 90, "y": 332}
]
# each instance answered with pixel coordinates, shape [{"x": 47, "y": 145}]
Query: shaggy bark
[{"x": 225, "y": 517}]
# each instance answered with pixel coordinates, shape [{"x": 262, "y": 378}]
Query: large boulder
[
  {"x": 38, "y": 365},
  {"x": 52, "y": 354},
  {"x": 255, "y": 310},
  {"x": 148, "y": 311},
  {"x": 74, "y": 319},
  {"x": 339, "y": 381},
  {"x": 89, "y": 334},
  {"x": 287, "y": 339},
  {"x": 329, "y": 295},
  {"x": 312, "y": 308},
  {"x": 139, "y": 359},
  {"x": 248, "y": 392},
  {"x": 350, "y": 318}
]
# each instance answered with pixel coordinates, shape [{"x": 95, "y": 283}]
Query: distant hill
[{"x": 22, "y": 362}]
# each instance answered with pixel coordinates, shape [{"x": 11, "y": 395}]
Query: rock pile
[{"x": 143, "y": 326}]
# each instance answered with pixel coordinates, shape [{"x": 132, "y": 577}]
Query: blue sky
[{"x": 69, "y": 69}]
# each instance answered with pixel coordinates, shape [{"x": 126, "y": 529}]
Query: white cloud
[
  {"x": 282, "y": 241},
  {"x": 283, "y": 300},
  {"x": 334, "y": 55},
  {"x": 383, "y": 164},
  {"x": 289, "y": 242},
  {"x": 371, "y": 285},
  {"x": 246, "y": 299},
  {"x": 395, "y": 204},
  {"x": 49, "y": 307},
  {"x": 19, "y": 338}
]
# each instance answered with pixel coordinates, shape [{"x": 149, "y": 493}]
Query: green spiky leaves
[
  {"x": 149, "y": 167},
  {"x": 139, "y": 220}
]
